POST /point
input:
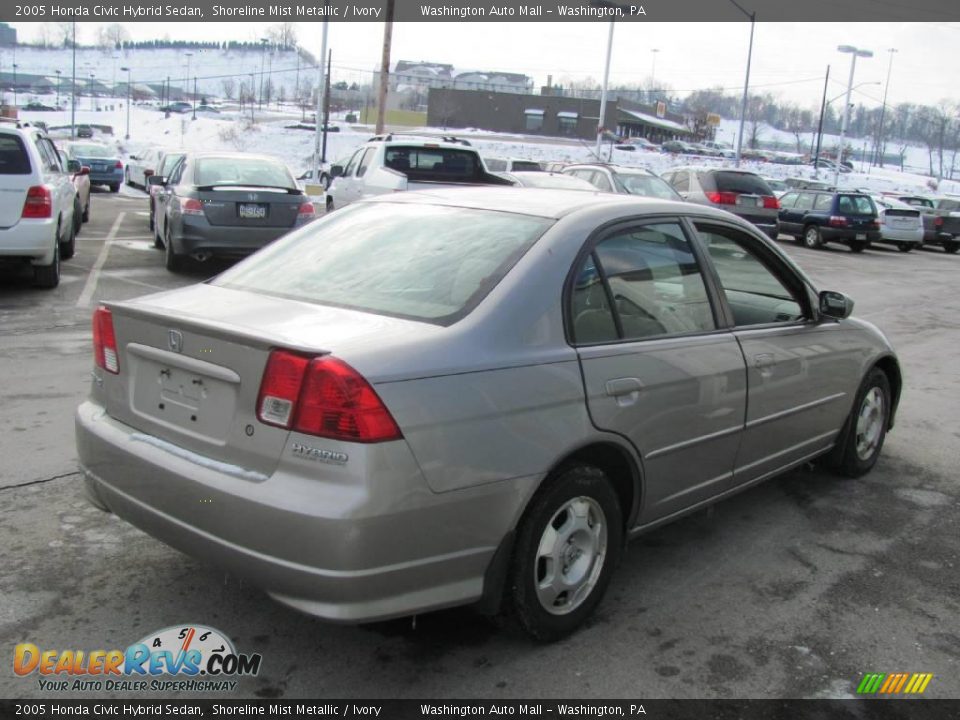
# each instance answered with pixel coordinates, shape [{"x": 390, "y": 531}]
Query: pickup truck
[
  {"x": 393, "y": 163},
  {"x": 941, "y": 220}
]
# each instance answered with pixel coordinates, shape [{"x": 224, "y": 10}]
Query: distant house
[
  {"x": 410, "y": 82},
  {"x": 653, "y": 122}
]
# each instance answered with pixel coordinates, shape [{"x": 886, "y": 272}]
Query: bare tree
[
  {"x": 112, "y": 36},
  {"x": 45, "y": 34},
  {"x": 229, "y": 85},
  {"x": 283, "y": 34},
  {"x": 63, "y": 32}
]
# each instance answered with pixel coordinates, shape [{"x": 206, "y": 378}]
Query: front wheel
[
  {"x": 861, "y": 439},
  {"x": 951, "y": 247},
  {"x": 904, "y": 247},
  {"x": 858, "y": 246},
  {"x": 115, "y": 187},
  {"x": 567, "y": 545}
]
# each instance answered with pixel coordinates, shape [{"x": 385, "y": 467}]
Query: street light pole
[
  {"x": 186, "y": 80},
  {"x": 263, "y": 52},
  {"x": 653, "y": 74},
  {"x": 746, "y": 82},
  {"x": 73, "y": 86},
  {"x": 194, "y": 98},
  {"x": 603, "y": 92},
  {"x": 58, "y": 72},
  {"x": 321, "y": 90},
  {"x": 127, "y": 70},
  {"x": 14, "y": 84},
  {"x": 823, "y": 107},
  {"x": 855, "y": 53},
  {"x": 878, "y": 157}
]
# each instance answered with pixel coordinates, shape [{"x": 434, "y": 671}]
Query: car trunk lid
[{"x": 250, "y": 206}]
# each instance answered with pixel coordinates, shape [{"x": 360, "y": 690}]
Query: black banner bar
[
  {"x": 124, "y": 11},
  {"x": 873, "y": 709}
]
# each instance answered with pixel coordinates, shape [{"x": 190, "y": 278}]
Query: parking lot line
[{"x": 91, "y": 285}]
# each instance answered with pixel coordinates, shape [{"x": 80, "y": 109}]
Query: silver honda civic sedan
[{"x": 473, "y": 396}]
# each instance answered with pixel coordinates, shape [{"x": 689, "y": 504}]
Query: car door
[
  {"x": 788, "y": 221},
  {"x": 344, "y": 189},
  {"x": 656, "y": 368},
  {"x": 164, "y": 196},
  {"x": 55, "y": 175},
  {"x": 801, "y": 373}
]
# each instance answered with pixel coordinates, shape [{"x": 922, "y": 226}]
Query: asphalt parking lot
[{"x": 795, "y": 588}]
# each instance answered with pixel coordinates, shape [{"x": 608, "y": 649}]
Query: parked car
[
  {"x": 825, "y": 164},
  {"x": 540, "y": 179},
  {"x": 720, "y": 149},
  {"x": 106, "y": 167},
  {"x": 38, "y": 107},
  {"x": 495, "y": 164},
  {"x": 37, "y": 203},
  {"x": 779, "y": 187},
  {"x": 167, "y": 162},
  {"x": 177, "y": 107},
  {"x": 642, "y": 143},
  {"x": 80, "y": 175},
  {"x": 141, "y": 166},
  {"x": 396, "y": 162},
  {"x": 738, "y": 191},
  {"x": 84, "y": 131},
  {"x": 622, "y": 179},
  {"x": 936, "y": 225},
  {"x": 225, "y": 205},
  {"x": 625, "y": 147},
  {"x": 473, "y": 396},
  {"x": 816, "y": 217},
  {"x": 678, "y": 147},
  {"x": 900, "y": 224},
  {"x": 554, "y": 166}
]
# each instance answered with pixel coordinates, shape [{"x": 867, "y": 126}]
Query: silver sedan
[{"x": 473, "y": 396}]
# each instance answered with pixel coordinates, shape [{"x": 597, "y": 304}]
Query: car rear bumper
[
  {"x": 106, "y": 178},
  {"x": 349, "y": 544},
  {"x": 33, "y": 239},
  {"x": 198, "y": 235},
  {"x": 914, "y": 236},
  {"x": 846, "y": 235}
]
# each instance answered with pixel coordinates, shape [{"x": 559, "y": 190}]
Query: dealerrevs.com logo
[{"x": 199, "y": 658}]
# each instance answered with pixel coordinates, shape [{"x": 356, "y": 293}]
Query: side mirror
[
  {"x": 85, "y": 170},
  {"x": 156, "y": 180},
  {"x": 835, "y": 305},
  {"x": 73, "y": 166},
  {"x": 336, "y": 171}
]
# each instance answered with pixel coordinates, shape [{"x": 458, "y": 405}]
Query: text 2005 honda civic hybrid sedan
[{"x": 440, "y": 398}]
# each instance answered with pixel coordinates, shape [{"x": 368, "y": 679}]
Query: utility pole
[
  {"x": 603, "y": 94},
  {"x": 127, "y": 70},
  {"x": 746, "y": 82},
  {"x": 194, "y": 103},
  {"x": 878, "y": 157},
  {"x": 823, "y": 108},
  {"x": 326, "y": 109},
  {"x": 73, "y": 87},
  {"x": 385, "y": 68},
  {"x": 318, "y": 115}
]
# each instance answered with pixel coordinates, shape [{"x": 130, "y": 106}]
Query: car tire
[
  {"x": 572, "y": 527},
  {"x": 48, "y": 276},
  {"x": 329, "y": 204},
  {"x": 68, "y": 247},
  {"x": 858, "y": 246},
  {"x": 812, "y": 238},
  {"x": 77, "y": 216},
  {"x": 904, "y": 247},
  {"x": 951, "y": 248},
  {"x": 861, "y": 439},
  {"x": 325, "y": 181},
  {"x": 85, "y": 217},
  {"x": 172, "y": 259},
  {"x": 114, "y": 187}
]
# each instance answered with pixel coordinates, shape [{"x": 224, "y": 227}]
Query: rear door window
[
  {"x": 804, "y": 202},
  {"x": 823, "y": 203},
  {"x": 741, "y": 182},
  {"x": 13, "y": 156},
  {"x": 855, "y": 205},
  {"x": 430, "y": 163},
  {"x": 789, "y": 200}
]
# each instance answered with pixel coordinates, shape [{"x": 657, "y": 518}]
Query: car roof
[
  {"x": 613, "y": 167},
  {"x": 540, "y": 202}
]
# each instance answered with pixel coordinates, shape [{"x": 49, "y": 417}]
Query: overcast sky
[{"x": 789, "y": 58}]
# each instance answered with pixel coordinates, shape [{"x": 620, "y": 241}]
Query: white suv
[{"x": 37, "y": 202}]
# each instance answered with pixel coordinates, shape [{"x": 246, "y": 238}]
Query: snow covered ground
[{"x": 231, "y": 131}]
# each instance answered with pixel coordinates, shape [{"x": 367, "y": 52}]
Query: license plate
[
  {"x": 253, "y": 212},
  {"x": 748, "y": 201},
  {"x": 861, "y": 236},
  {"x": 99, "y": 168}
]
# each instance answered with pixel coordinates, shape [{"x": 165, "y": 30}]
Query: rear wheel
[
  {"x": 858, "y": 246},
  {"x": 85, "y": 217},
  {"x": 114, "y": 187},
  {"x": 951, "y": 247},
  {"x": 861, "y": 439},
  {"x": 69, "y": 245},
  {"x": 904, "y": 247},
  {"x": 567, "y": 545},
  {"x": 329, "y": 204},
  {"x": 48, "y": 276},
  {"x": 811, "y": 237},
  {"x": 77, "y": 216},
  {"x": 173, "y": 260}
]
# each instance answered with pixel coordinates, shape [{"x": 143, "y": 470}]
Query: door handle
[
  {"x": 763, "y": 360},
  {"x": 623, "y": 386}
]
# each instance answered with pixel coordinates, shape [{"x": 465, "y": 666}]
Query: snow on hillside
[{"x": 269, "y": 135}]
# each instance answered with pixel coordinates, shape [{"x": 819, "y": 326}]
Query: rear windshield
[
  {"x": 738, "y": 182},
  {"x": 422, "y": 262},
  {"x": 432, "y": 163},
  {"x": 526, "y": 165},
  {"x": 917, "y": 202},
  {"x": 13, "y": 156},
  {"x": 646, "y": 185},
  {"x": 855, "y": 205},
  {"x": 219, "y": 171},
  {"x": 91, "y": 151}
]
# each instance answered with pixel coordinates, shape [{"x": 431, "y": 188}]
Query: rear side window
[
  {"x": 823, "y": 203},
  {"x": 13, "y": 156},
  {"x": 530, "y": 165},
  {"x": 855, "y": 205},
  {"x": 739, "y": 182},
  {"x": 421, "y": 262},
  {"x": 681, "y": 182},
  {"x": 805, "y": 202},
  {"x": 496, "y": 165},
  {"x": 788, "y": 200}
]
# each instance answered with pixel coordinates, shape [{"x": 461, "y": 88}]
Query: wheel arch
[{"x": 891, "y": 368}]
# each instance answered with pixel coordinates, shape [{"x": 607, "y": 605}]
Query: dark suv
[
  {"x": 818, "y": 217},
  {"x": 743, "y": 193}
]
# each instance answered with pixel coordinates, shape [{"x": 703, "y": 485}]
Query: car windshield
[
  {"x": 855, "y": 205},
  {"x": 91, "y": 151},
  {"x": 645, "y": 185},
  {"x": 422, "y": 262},
  {"x": 218, "y": 171},
  {"x": 741, "y": 182}
]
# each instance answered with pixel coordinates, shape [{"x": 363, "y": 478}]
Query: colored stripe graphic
[{"x": 894, "y": 683}]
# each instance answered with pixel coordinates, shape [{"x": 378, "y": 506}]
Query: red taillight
[
  {"x": 105, "y": 341},
  {"x": 770, "y": 202},
  {"x": 191, "y": 206},
  {"x": 39, "y": 203},
  {"x": 722, "y": 198},
  {"x": 322, "y": 396},
  {"x": 876, "y": 223},
  {"x": 306, "y": 209},
  {"x": 118, "y": 165},
  {"x": 837, "y": 221},
  {"x": 938, "y": 222}
]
